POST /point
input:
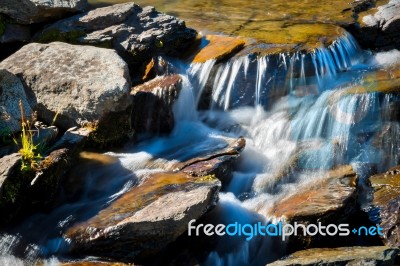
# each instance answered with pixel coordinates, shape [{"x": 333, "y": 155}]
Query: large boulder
[
  {"x": 136, "y": 33},
  {"x": 378, "y": 28},
  {"x": 147, "y": 218},
  {"x": 79, "y": 85},
  {"x": 11, "y": 93},
  {"x": 35, "y": 11},
  {"x": 379, "y": 255},
  {"x": 385, "y": 209}
]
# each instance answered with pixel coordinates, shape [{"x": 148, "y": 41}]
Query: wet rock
[
  {"x": 79, "y": 85},
  {"x": 11, "y": 92},
  {"x": 218, "y": 163},
  {"x": 325, "y": 199},
  {"x": 35, "y": 11},
  {"x": 145, "y": 219},
  {"x": 152, "y": 105},
  {"x": 26, "y": 191},
  {"x": 218, "y": 48},
  {"x": 378, "y": 27},
  {"x": 136, "y": 33},
  {"x": 379, "y": 255},
  {"x": 330, "y": 199},
  {"x": 385, "y": 205}
]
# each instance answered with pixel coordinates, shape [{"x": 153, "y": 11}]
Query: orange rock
[
  {"x": 218, "y": 48},
  {"x": 323, "y": 197}
]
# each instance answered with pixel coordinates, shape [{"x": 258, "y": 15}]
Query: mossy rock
[
  {"x": 55, "y": 35},
  {"x": 2, "y": 25}
]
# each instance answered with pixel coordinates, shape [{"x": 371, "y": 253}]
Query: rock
[
  {"x": 136, "y": 33},
  {"x": 385, "y": 205},
  {"x": 152, "y": 105},
  {"x": 331, "y": 199},
  {"x": 24, "y": 192},
  {"x": 80, "y": 85},
  {"x": 11, "y": 92},
  {"x": 324, "y": 199},
  {"x": 378, "y": 28},
  {"x": 8, "y": 165},
  {"x": 379, "y": 255},
  {"x": 220, "y": 164},
  {"x": 15, "y": 33},
  {"x": 35, "y": 11},
  {"x": 218, "y": 48},
  {"x": 145, "y": 219}
]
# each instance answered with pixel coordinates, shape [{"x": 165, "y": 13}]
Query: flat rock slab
[
  {"x": 379, "y": 255},
  {"x": 386, "y": 204},
  {"x": 35, "y": 11},
  {"x": 218, "y": 47},
  {"x": 136, "y": 33},
  {"x": 147, "y": 218},
  {"x": 82, "y": 84},
  {"x": 325, "y": 197}
]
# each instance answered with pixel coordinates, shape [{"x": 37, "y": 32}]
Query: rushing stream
[{"x": 290, "y": 108}]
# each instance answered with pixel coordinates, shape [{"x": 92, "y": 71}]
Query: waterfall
[{"x": 260, "y": 80}]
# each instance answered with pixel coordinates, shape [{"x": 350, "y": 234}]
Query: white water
[{"x": 298, "y": 122}]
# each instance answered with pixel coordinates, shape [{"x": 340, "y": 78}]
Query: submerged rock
[
  {"x": 145, "y": 219},
  {"x": 35, "y": 11},
  {"x": 378, "y": 27},
  {"x": 385, "y": 205},
  {"x": 79, "y": 85},
  {"x": 136, "y": 33},
  {"x": 379, "y": 255},
  {"x": 11, "y": 93},
  {"x": 152, "y": 104}
]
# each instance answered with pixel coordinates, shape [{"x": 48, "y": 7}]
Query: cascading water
[{"x": 299, "y": 118}]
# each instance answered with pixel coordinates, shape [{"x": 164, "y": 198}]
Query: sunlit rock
[
  {"x": 379, "y": 255},
  {"x": 325, "y": 199},
  {"x": 11, "y": 93},
  {"x": 136, "y": 33},
  {"x": 378, "y": 27},
  {"x": 76, "y": 86},
  {"x": 35, "y": 11},
  {"x": 218, "y": 48}
]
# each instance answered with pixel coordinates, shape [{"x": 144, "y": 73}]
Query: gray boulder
[
  {"x": 35, "y": 11},
  {"x": 84, "y": 85},
  {"x": 11, "y": 92},
  {"x": 136, "y": 33}
]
